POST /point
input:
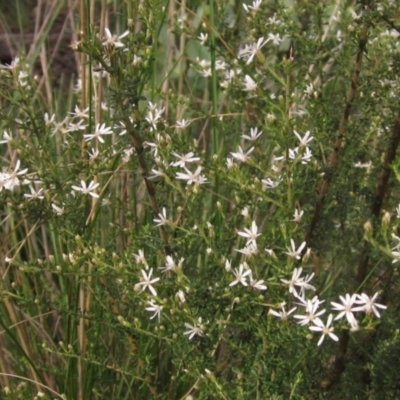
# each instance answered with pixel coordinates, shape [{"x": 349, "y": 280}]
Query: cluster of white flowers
[
  {"x": 75, "y": 122},
  {"x": 80, "y": 117},
  {"x": 196, "y": 178},
  {"x": 301, "y": 152},
  {"x": 11, "y": 179},
  {"x": 297, "y": 280},
  {"x": 248, "y": 53},
  {"x": 305, "y": 156},
  {"x": 251, "y": 236},
  {"x": 250, "y": 248},
  {"x": 154, "y": 115},
  {"x": 298, "y": 286},
  {"x": 242, "y": 155},
  {"x": 349, "y": 305},
  {"x": 229, "y": 77},
  {"x": 240, "y": 277},
  {"x": 204, "y": 66},
  {"x": 19, "y": 71},
  {"x": 147, "y": 281}
]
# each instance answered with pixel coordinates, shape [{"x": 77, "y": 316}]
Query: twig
[
  {"x": 322, "y": 190},
  {"x": 137, "y": 144},
  {"x": 339, "y": 364},
  {"x": 323, "y": 187},
  {"x": 364, "y": 259}
]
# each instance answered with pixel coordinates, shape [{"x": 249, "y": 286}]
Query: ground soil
[{"x": 17, "y": 34}]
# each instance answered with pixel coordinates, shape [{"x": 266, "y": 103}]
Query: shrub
[{"x": 211, "y": 212}]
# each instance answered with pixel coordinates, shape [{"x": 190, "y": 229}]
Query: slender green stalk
[{"x": 214, "y": 87}]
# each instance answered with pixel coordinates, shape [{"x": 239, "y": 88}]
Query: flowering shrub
[{"x": 208, "y": 217}]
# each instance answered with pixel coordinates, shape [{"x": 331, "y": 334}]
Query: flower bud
[
  {"x": 368, "y": 230},
  {"x": 307, "y": 255},
  {"x": 385, "y": 219},
  {"x": 180, "y": 296}
]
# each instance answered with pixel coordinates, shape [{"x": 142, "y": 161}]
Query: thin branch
[
  {"x": 362, "y": 272},
  {"x": 137, "y": 144},
  {"x": 323, "y": 187}
]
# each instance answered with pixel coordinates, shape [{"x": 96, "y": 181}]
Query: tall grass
[{"x": 133, "y": 270}]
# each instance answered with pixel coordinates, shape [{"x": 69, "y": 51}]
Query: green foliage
[{"x": 174, "y": 225}]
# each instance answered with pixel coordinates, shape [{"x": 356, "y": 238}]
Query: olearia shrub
[{"x": 212, "y": 212}]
